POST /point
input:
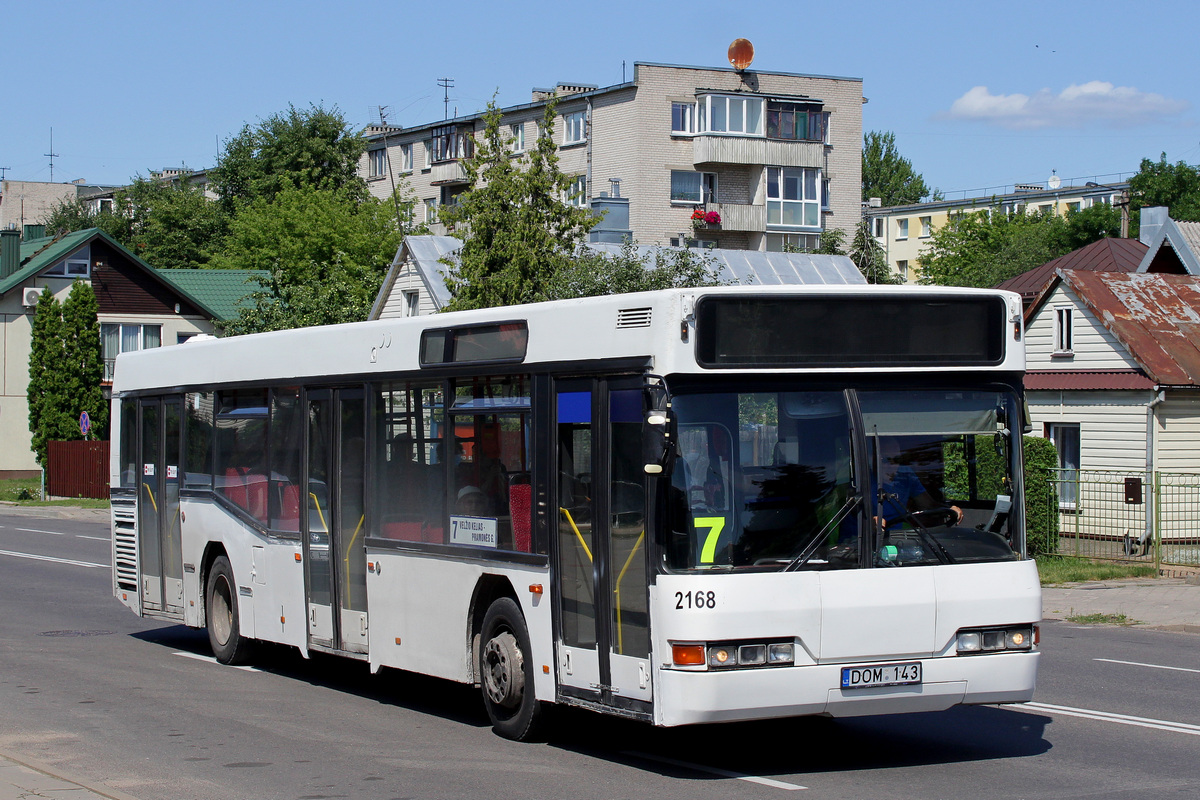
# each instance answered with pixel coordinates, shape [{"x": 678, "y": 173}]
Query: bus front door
[
  {"x": 603, "y": 637},
  {"x": 335, "y": 524},
  {"x": 160, "y": 551}
]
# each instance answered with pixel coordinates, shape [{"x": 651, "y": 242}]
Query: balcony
[
  {"x": 710, "y": 149},
  {"x": 739, "y": 217},
  {"x": 447, "y": 173}
]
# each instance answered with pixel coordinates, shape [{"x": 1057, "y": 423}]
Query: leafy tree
[
  {"x": 307, "y": 148},
  {"x": 867, "y": 254},
  {"x": 833, "y": 243},
  {"x": 327, "y": 253},
  {"x": 888, "y": 175},
  {"x": 983, "y": 249},
  {"x": 519, "y": 229},
  {"x": 72, "y": 215},
  {"x": 1176, "y": 186},
  {"x": 1041, "y": 498},
  {"x": 593, "y": 273},
  {"x": 65, "y": 369},
  {"x": 1088, "y": 225}
]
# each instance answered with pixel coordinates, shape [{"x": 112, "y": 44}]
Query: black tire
[
  {"x": 221, "y": 613},
  {"x": 506, "y": 672}
]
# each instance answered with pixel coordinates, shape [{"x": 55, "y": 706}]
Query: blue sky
[{"x": 979, "y": 95}]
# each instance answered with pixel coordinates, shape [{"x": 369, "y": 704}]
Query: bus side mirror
[{"x": 658, "y": 445}]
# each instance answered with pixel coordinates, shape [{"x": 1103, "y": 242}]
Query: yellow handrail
[
  {"x": 150, "y": 492},
  {"x": 617, "y": 590},
  {"x": 575, "y": 528},
  {"x": 320, "y": 513},
  {"x": 346, "y": 558}
]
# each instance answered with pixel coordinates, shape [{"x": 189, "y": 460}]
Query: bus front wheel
[
  {"x": 506, "y": 672},
  {"x": 224, "y": 634}
]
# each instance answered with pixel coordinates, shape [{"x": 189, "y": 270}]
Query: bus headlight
[
  {"x": 733, "y": 655},
  {"x": 996, "y": 640},
  {"x": 781, "y": 653}
]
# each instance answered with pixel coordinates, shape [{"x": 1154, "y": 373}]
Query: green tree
[
  {"x": 1176, "y": 186},
  {"x": 47, "y": 392},
  {"x": 1041, "y": 497},
  {"x": 72, "y": 215},
  {"x": 888, "y": 175},
  {"x": 983, "y": 249},
  {"x": 306, "y": 148},
  {"x": 1088, "y": 225},
  {"x": 83, "y": 360},
  {"x": 519, "y": 229},
  {"x": 867, "y": 254},
  {"x": 591, "y": 273},
  {"x": 327, "y": 253}
]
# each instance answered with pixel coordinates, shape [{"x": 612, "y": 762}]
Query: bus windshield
[{"x": 778, "y": 480}]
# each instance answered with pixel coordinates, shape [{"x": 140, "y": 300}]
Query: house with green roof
[{"x": 140, "y": 307}]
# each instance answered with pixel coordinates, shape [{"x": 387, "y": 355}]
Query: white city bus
[{"x": 683, "y": 506}]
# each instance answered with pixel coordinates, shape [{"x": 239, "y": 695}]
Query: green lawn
[
  {"x": 27, "y": 491},
  {"x": 1065, "y": 569}
]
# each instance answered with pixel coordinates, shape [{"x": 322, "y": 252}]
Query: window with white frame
[
  {"x": 516, "y": 132},
  {"x": 125, "y": 338},
  {"x": 574, "y": 127},
  {"x": 902, "y": 269},
  {"x": 76, "y": 265},
  {"x": 901, "y": 229},
  {"x": 577, "y": 193},
  {"x": 694, "y": 244},
  {"x": 1073, "y": 207},
  {"x": 411, "y": 302},
  {"x": 406, "y": 157},
  {"x": 793, "y": 197},
  {"x": 683, "y": 117},
  {"x": 376, "y": 163},
  {"x": 877, "y": 227},
  {"x": 926, "y": 226},
  {"x": 431, "y": 205},
  {"x": 1066, "y": 438},
  {"x": 825, "y": 195},
  {"x": 693, "y": 187},
  {"x": 719, "y": 113},
  {"x": 1064, "y": 321},
  {"x": 792, "y": 242},
  {"x": 450, "y": 142}
]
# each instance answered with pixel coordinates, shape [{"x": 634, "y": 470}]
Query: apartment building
[
  {"x": 905, "y": 231},
  {"x": 776, "y": 156}
]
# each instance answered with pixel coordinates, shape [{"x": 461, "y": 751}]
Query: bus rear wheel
[
  {"x": 224, "y": 634},
  {"x": 506, "y": 672}
]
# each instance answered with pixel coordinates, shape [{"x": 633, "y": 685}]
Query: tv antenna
[
  {"x": 2, "y": 171},
  {"x": 383, "y": 115},
  {"x": 52, "y": 155},
  {"x": 447, "y": 84}
]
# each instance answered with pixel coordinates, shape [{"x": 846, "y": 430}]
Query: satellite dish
[
  {"x": 741, "y": 54},
  {"x": 1054, "y": 182}
]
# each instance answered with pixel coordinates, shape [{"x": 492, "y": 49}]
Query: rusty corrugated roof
[
  {"x": 1105, "y": 255},
  {"x": 1154, "y": 315},
  {"x": 1082, "y": 380}
]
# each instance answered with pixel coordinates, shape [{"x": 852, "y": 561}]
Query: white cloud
[{"x": 1091, "y": 103}]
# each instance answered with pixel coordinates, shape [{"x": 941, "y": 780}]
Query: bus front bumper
[{"x": 688, "y": 698}]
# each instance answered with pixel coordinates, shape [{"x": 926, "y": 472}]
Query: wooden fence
[{"x": 77, "y": 469}]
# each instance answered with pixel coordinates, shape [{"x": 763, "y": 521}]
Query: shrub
[{"x": 1041, "y": 497}]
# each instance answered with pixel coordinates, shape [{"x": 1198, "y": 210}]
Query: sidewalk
[
  {"x": 1163, "y": 603},
  {"x": 26, "y": 780}
]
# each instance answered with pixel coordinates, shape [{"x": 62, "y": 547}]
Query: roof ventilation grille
[{"x": 633, "y": 318}]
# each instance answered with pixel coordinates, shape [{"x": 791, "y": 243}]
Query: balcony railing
[
  {"x": 447, "y": 172},
  {"x": 740, "y": 217},
  {"x": 708, "y": 149}
]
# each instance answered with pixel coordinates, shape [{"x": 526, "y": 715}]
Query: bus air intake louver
[{"x": 633, "y": 318}]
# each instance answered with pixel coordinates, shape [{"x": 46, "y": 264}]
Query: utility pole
[
  {"x": 447, "y": 84},
  {"x": 52, "y": 155}
]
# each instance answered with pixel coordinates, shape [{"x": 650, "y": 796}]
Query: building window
[
  {"x": 825, "y": 126},
  {"x": 725, "y": 114},
  {"x": 694, "y": 244},
  {"x": 1064, "y": 319},
  {"x": 793, "y": 242},
  {"x": 683, "y": 117},
  {"x": 75, "y": 265},
  {"x": 902, "y": 269},
  {"x": 926, "y": 227},
  {"x": 577, "y": 193},
  {"x": 517, "y": 133},
  {"x": 693, "y": 187},
  {"x": 1065, "y": 436},
  {"x": 406, "y": 157},
  {"x": 126, "y": 338},
  {"x": 574, "y": 127},
  {"x": 825, "y": 195},
  {"x": 431, "y": 205},
  {"x": 411, "y": 300},
  {"x": 1073, "y": 207},
  {"x": 795, "y": 122},
  {"x": 877, "y": 227},
  {"x": 793, "y": 198},
  {"x": 901, "y": 229},
  {"x": 377, "y": 163},
  {"x": 450, "y": 142},
  {"x": 449, "y": 195}
]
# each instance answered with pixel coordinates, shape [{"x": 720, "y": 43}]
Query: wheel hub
[{"x": 503, "y": 670}]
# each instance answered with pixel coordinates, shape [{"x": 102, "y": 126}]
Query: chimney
[
  {"x": 10, "y": 252},
  {"x": 1152, "y": 220},
  {"x": 32, "y": 232}
]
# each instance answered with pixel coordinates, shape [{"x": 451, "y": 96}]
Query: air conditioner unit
[{"x": 29, "y": 297}]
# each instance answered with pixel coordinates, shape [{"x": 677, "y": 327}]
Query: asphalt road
[{"x": 138, "y": 705}]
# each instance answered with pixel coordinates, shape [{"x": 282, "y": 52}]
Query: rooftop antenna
[
  {"x": 2, "y": 171},
  {"x": 447, "y": 84},
  {"x": 383, "y": 112},
  {"x": 52, "y": 155}
]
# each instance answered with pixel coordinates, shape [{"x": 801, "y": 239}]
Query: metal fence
[
  {"x": 1132, "y": 515},
  {"x": 77, "y": 469}
]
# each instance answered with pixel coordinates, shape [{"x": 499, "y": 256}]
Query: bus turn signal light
[
  {"x": 688, "y": 655},
  {"x": 535, "y": 588}
]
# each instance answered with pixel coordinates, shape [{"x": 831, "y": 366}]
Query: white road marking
[
  {"x": 791, "y": 787},
  {"x": 212, "y": 660},
  {"x": 1140, "y": 664},
  {"x": 1120, "y": 719},
  {"x": 36, "y": 530},
  {"x": 72, "y": 562},
  {"x": 93, "y": 538}
]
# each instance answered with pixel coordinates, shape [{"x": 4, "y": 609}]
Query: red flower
[
  {"x": 712, "y": 218},
  {"x": 698, "y": 213}
]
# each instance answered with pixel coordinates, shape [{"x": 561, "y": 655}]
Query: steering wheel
[{"x": 943, "y": 516}]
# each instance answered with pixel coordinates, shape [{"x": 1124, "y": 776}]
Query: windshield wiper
[
  {"x": 810, "y": 548},
  {"x": 924, "y": 533}
]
